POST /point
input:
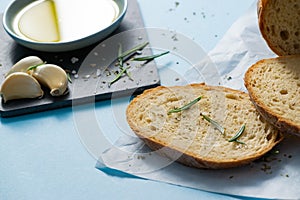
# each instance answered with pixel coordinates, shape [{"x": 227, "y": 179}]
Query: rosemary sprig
[
  {"x": 120, "y": 50},
  {"x": 121, "y": 62},
  {"x": 119, "y": 75},
  {"x": 214, "y": 123},
  {"x": 148, "y": 58},
  {"x": 120, "y": 58},
  {"x": 69, "y": 77},
  {"x": 133, "y": 50},
  {"x": 35, "y": 66},
  {"x": 129, "y": 74},
  {"x": 237, "y": 135},
  {"x": 176, "y": 110}
]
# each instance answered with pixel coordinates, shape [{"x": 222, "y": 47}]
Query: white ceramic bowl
[{"x": 12, "y": 10}]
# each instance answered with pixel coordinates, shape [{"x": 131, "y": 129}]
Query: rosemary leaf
[
  {"x": 120, "y": 50},
  {"x": 133, "y": 50},
  {"x": 176, "y": 110},
  {"x": 35, "y": 66},
  {"x": 240, "y": 142},
  {"x": 121, "y": 66},
  {"x": 69, "y": 77},
  {"x": 120, "y": 58},
  {"x": 129, "y": 75},
  {"x": 148, "y": 58},
  {"x": 118, "y": 76},
  {"x": 214, "y": 123},
  {"x": 237, "y": 135}
]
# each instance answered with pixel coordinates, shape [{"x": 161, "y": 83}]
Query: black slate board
[{"x": 94, "y": 66}]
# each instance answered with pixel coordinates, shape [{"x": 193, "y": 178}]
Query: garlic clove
[
  {"x": 53, "y": 77},
  {"x": 23, "y": 64},
  {"x": 20, "y": 85}
]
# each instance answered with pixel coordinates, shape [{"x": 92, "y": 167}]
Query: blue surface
[{"x": 41, "y": 155}]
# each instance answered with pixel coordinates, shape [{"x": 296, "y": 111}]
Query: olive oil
[
  {"x": 63, "y": 20},
  {"x": 38, "y": 21},
  {"x": 80, "y": 18}
]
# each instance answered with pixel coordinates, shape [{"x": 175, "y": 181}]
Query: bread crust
[
  {"x": 262, "y": 26},
  {"x": 279, "y": 49},
  {"x": 188, "y": 158},
  {"x": 197, "y": 162},
  {"x": 283, "y": 124}
]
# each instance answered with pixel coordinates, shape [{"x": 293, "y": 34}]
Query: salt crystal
[
  {"x": 98, "y": 72},
  {"x": 74, "y": 60},
  {"x": 87, "y": 76}
]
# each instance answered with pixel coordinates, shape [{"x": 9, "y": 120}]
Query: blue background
[{"x": 41, "y": 155}]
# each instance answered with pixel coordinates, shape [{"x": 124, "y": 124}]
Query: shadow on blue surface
[{"x": 115, "y": 172}]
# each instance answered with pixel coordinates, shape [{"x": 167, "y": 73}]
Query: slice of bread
[
  {"x": 188, "y": 138},
  {"x": 279, "y": 23},
  {"x": 274, "y": 87}
]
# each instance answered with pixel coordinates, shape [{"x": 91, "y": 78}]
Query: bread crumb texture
[
  {"x": 279, "y": 22},
  {"x": 274, "y": 86},
  {"x": 197, "y": 141}
]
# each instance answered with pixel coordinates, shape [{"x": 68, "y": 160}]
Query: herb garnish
[
  {"x": 122, "y": 56},
  {"x": 34, "y": 66},
  {"x": 69, "y": 77},
  {"x": 237, "y": 135},
  {"x": 148, "y": 58},
  {"x": 176, "y": 110},
  {"x": 121, "y": 62},
  {"x": 131, "y": 51},
  {"x": 119, "y": 75},
  {"x": 214, "y": 123}
]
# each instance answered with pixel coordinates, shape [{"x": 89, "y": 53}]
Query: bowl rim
[{"x": 67, "y": 42}]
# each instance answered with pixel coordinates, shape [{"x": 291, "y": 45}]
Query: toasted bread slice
[
  {"x": 279, "y": 25},
  {"x": 192, "y": 140},
  {"x": 274, "y": 87}
]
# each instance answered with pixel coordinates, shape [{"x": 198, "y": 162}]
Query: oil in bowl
[
  {"x": 40, "y": 23},
  {"x": 79, "y": 18}
]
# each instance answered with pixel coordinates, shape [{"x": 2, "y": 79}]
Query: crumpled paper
[{"x": 275, "y": 176}]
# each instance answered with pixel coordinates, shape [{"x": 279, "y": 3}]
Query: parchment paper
[{"x": 275, "y": 176}]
